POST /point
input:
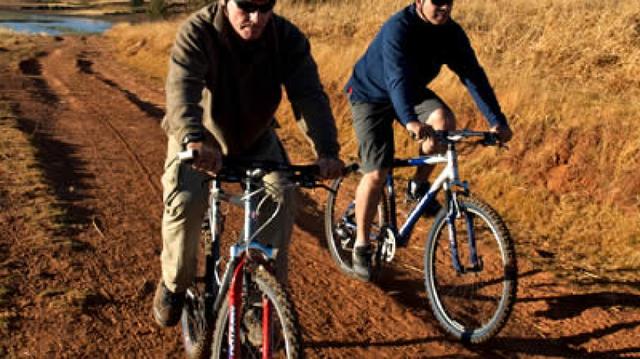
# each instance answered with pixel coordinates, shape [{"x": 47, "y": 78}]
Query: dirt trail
[{"x": 102, "y": 149}]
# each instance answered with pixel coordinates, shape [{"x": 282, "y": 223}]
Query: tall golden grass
[{"x": 566, "y": 74}]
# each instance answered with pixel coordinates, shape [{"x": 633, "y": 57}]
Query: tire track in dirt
[{"x": 110, "y": 316}]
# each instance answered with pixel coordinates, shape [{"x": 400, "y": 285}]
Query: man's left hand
[{"x": 330, "y": 167}]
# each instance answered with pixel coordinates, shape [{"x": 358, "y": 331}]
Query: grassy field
[{"x": 566, "y": 76}]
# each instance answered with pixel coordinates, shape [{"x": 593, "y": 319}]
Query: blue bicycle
[{"x": 469, "y": 260}]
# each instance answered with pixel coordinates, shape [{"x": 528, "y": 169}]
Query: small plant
[
  {"x": 136, "y": 3},
  {"x": 157, "y": 9}
]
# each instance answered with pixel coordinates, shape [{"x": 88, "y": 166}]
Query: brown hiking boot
[{"x": 167, "y": 306}]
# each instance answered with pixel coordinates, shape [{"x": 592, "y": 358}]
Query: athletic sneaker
[{"x": 361, "y": 260}]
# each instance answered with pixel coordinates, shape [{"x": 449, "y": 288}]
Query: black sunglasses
[
  {"x": 441, "y": 2},
  {"x": 249, "y": 6}
]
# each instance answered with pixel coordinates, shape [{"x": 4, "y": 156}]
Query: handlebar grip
[{"x": 490, "y": 139}]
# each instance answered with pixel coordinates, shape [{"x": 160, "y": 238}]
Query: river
[{"x": 51, "y": 24}]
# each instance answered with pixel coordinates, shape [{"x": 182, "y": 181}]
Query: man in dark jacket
[
  {"x": 390, "y": 81},
  {"x": 226, "y": 70}
]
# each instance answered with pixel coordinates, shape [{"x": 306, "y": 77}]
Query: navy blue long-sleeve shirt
[{"x": 407, "y": 54}]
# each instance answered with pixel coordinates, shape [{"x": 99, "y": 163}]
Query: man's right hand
[
  {"x": 209, "y": 159},
  {"x": 419, "y": 131},
  {"x": 503, "y": 131}
]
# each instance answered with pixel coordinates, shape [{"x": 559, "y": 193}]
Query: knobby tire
[
  {"x": 283, "y": 312},
  {"x": 473, "y": 306}
]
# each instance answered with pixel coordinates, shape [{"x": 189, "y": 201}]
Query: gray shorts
[{"x": 373, "y": 124}]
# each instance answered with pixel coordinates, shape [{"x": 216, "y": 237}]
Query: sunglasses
[
  {"x": 441, "y": 2},
  {"x": 249, "y": 6}
]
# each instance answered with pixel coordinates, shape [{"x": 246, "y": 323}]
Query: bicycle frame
[
  {"x": 448, "y": 178},
  {"x": 235, "y": 276}
]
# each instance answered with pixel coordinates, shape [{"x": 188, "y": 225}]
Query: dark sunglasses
[
  {"x": 441, "y": 2},
  {"x": 249, "y": 6}
]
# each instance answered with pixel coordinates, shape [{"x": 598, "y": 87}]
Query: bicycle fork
[
  {"x": 238, "y": 298},
  {"x": 454, "y": 211}
]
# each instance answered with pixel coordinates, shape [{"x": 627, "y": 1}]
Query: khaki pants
[{"x": 185, "y": 194}]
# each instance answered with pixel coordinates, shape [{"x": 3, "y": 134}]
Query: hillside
[{"x": 566, "y": 76}]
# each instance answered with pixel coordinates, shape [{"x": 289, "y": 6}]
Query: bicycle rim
[
  {"x": 471, "y": 306},
  {"x": 285, "y": 336}
]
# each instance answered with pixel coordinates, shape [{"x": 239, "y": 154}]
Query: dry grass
[
  {"x": 566, "y": 75},
  {"x": 145, "y": 47}
]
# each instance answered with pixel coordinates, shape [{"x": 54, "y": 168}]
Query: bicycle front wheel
[
  {"x": 472, "y": 303},
  {"x": 340, "y": 221},
  {"x": 196, "y": 327},
  {"x": 284, "y": 332},
  {"x": 196, "y": 330}
]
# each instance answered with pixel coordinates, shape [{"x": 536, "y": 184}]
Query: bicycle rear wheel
[
  {"x": 474, "y": 304},
  {"x": 340, "y": 221},
  {"x": 285, "y": 336}
]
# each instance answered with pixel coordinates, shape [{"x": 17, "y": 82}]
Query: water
[{"x": 51, "y": 24}]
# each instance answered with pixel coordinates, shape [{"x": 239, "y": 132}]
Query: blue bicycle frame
[{"x": 448, "y": 178}]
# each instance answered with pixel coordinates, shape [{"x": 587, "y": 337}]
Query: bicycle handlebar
[
  {"x": 237, "y": 171},
  {"x": 488, "y": 138}
]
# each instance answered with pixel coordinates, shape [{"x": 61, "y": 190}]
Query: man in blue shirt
[{"x": 389, "y": 82}]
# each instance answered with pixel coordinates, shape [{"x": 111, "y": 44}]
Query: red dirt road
[{"x": 96, "y": 129}]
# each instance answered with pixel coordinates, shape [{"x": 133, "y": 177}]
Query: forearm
[
  {"x": 316, "y": 121},
  {"x": 484, "y": 97},
  {"x": 184, "y": 112},
  {"x": 184, "y": 85}
]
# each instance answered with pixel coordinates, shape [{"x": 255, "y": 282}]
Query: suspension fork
[
  {"x": 266, "y": 327},
  {"x": 476, "y": 264},
  {"x": 451, "y": 226},
  {"x": 453, "y": 211},
  {"x": 235, "y": 309}
]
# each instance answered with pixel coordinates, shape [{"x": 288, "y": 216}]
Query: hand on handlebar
[
  {"x": 208, "y": 159},
  {"x": 419, "y": 131},
  {"x": 330, "y": 168},
  {"x": 503, "y": 132}
]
